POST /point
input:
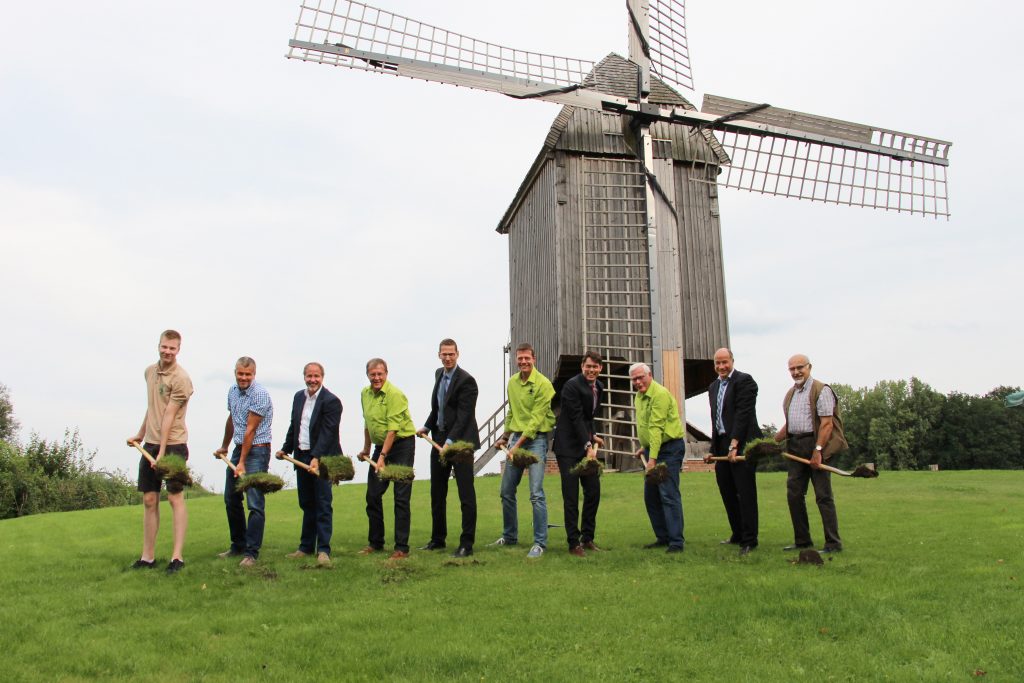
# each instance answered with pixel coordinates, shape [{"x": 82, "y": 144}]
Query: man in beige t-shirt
[{"x": 168, "y": 389}]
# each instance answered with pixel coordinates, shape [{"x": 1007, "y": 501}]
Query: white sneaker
[
  {"x": 535, "y": 552},
  {"x": 501, "y": 541}
]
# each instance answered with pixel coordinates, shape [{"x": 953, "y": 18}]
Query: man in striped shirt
[{"x": 250, "y": 414}]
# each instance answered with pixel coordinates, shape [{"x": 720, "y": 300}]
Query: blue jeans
[
  {"x": 246, "y": 538},
  {"x": 663, "y": 501},
  {"x": 510, "y": 482}
]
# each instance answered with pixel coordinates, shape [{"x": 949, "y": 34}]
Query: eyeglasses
[{"x": 794, "y": 368}]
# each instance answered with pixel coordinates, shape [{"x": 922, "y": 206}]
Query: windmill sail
[
  {"x": 792, "y": 154},
  {"x": 669, "y": 53},
  {"x": 360, "y": 36}
]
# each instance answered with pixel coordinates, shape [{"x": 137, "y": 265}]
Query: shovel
[
  {"x": 299, "y": 463},
  {"x": 656, "y": 475},
  {"x": 862, "y": 471}
]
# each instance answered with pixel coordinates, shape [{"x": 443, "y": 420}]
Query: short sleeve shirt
[
  {"x": 162, "y": 387},
  {"x": 255, "y": 399},
  {"x": 386, "y": 411}
]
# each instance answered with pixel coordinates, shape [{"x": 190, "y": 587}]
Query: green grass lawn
[{"x": 928, "y": 589}]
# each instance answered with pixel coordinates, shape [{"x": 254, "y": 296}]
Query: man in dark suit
[
  {"x": 313, "y": 434},
  {"x": 452, "y": 418},
  {"x": 734, "y": 422},
  {"x": 575, "y": 439}
]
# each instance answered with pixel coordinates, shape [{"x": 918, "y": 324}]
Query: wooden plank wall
[{"x": 533, "y": 290}]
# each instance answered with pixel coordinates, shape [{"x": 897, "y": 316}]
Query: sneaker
[
  {"x": 247, "y": 561},
  {"x": 535, "y": 552},
  {"x": 142, "y": 564},
  {"x": 503, "y": 541},
  {"x": 228, "y": 553},
  {"x": 175, "y": 566},
  {"x": 297, "y": 555},
  {"x": 323, "y": 559}
]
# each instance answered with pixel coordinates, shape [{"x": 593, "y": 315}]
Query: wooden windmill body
[{"x": 614, "y": 234}]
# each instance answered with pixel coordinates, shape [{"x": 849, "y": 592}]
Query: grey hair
[
  {"x": 636, "y": 366},
  {"x": 245, "y": 362}
]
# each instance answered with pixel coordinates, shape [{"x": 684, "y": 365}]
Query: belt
[
  {"x": 802, "y": 434},
  {"x": 256, "y": 445}
]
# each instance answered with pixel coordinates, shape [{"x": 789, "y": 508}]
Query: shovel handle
[
  {"x": 144, "y": 452},
  {"x": 829, "y": 468},
  {"x": 226, "y": 462},
  {"x": 507, "y": 452},
  {"x": 431, "y": 441},
  {"x": 299, "y": 463},
  {"x": 725, "y": 458}
]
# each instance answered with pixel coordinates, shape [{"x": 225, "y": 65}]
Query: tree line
[{"x": 907, "y": 425}]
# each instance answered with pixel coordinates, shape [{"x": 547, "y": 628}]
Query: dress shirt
[
  {"x": 307, "y": 414},
  {"x": 799, "y": 420}
]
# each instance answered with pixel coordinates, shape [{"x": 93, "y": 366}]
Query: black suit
[
  {"x": 315, "y": 497},
  {"x": 459, "y": 425},
  {"x": 574, "y": 429},
  {"x": 736, "y": 481}
]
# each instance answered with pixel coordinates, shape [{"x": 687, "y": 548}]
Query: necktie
[
  {"x": 722, "y": 384},
  {"x": 442, "y": 390},
  {"x": 593, "y": 388}
]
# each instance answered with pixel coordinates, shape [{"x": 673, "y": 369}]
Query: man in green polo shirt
[
  {"x": 661, "y": 439},
  {"x": 388, "y": 426},
  {"x": 527, "y": 425}
]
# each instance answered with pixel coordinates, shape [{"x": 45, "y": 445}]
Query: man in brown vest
[{"x": 813, "y": 430}]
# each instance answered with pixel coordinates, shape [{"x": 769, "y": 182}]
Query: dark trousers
[
  {"x": 316, "y": 501},
  {"x": 571, "y": 501},
  {"x": 439, "y": 473},
  {"x": 402, "y": 452},
  {"x": 738, "y": 486},
  {"x": 796, "y": 491}
]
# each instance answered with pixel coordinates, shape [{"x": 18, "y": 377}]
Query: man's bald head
[
  {"x": 799, "y": 368},
  {"x": 723, "y": 362}
]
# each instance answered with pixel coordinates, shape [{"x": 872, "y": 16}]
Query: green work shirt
[
  {"x": 657, "y": 418},
  {"x": 529, "y": 405},
  {"x": 386, "y": 411}
]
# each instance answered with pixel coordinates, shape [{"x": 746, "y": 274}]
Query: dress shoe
[
  {"x": 399, "y": 555},
  {"x": 228, "y": 553},
  {"x": 746, "y": 550},
  {"x": 369, "y": 550},
  {"x": 462, "y": 551},
  {"x": 591, "y": 546},
  {"x": 798, "y": 546},
  {"x": 656, "y": 544},
  {"x": 432, "y": 546},
  {"x": 827, "y": 550},
  {"x": 297, "y": 555},
  {"x": 577, "y": 551},
  {"x": 674, "y": 549},
  {"x": 323, "y": 559},
  {"x": 728, "y": 541}
]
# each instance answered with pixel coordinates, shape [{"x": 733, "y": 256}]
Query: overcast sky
[{"x": 164, "y": 166}]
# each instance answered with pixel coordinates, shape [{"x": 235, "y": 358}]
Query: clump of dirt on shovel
[
  {"x": 587, "y": 468},
  {"x": 458, "y": 452},
  {"x": 864, "y": 472},
  {"x": 175, "y": 472},
  {"x": 261, "y": 481},
  {"x": 337, "y": 468},
  {"x": 523, "y": 458},
  {"x": 400, "y": 474},
  {"x": 657, "y": 475},
  {"x": 759, "y": 449}
]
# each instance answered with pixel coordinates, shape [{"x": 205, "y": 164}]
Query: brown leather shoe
[
  {"x": 399, "y": 555},
  {"x": 577, "y": 551},
  {"x": 369, "y": 550},
  {"x": 323, "y": 559},
  {"x": 297, "y": 555},
  {"x": 591, "y": 546}
]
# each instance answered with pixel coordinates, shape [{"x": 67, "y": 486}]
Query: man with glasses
[{"x": 813, "y": 430}]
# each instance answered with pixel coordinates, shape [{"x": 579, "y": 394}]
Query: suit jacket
[
  {"x": 459, "y": 408},
  {"x": 323, "y": 425},
  {"x": 575, "y": 424},
  {"x": 738, "y": 415}
]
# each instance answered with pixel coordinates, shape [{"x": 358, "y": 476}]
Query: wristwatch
[{"x": 817, "y": 448}]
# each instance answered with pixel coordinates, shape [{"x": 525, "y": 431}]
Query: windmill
[{"x": 616, "y": 225}]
